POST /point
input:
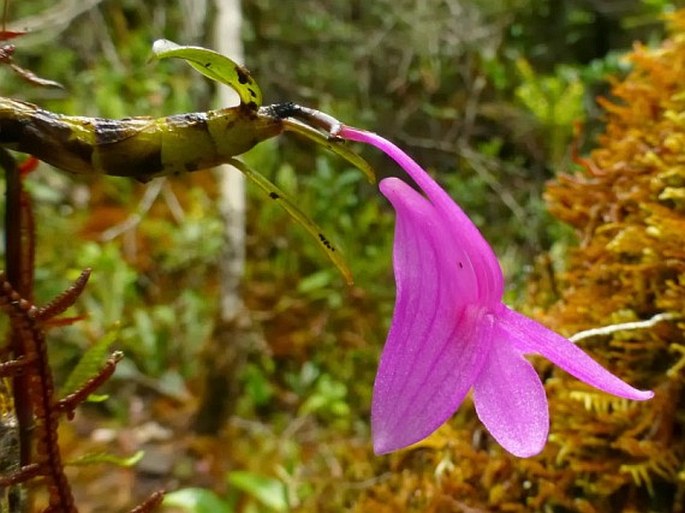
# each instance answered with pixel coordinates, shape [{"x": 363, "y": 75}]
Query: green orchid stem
[{"x": 332, "y": 144}]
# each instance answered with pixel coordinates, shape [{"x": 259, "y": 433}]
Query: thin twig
[
  {"x": 625, "y": 326},
  {"x": 151, "y": 193},
  {"x": 45, "y": 25},
  {"x": 481, "y": 166},
  {"x": 172, "y": 203}
]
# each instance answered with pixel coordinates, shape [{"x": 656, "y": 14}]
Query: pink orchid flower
[{"x": 451, "y": 333}]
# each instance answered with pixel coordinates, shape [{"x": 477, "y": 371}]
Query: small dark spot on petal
[{"x": 461, "y": 265}]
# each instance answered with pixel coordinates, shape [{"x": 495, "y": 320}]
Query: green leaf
[
  {"x": 267, "y": 490},
  {"x": 98, "y": 398},
  {"x": 197, "y": 500},
  {"x": 297, "y": 214},
  {"x": 215, "y": 66},
  {"x": 90, "y": 363},
  {"x": 315, "y": 281},
  {"x": 97, "y": 458}
]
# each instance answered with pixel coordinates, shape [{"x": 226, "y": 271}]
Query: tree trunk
[{"x": 226, "y": 351}]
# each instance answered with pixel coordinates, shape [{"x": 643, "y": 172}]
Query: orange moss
[{"x": 628, "y": 207}]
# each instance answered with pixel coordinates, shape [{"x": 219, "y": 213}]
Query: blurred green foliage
[
  {"x": 197, "y": 500},
  {"x": 483, "y": 93},
  {"x": 264, "y": 494}
]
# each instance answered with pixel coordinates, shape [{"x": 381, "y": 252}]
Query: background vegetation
[{"x": 483, "y": 93}]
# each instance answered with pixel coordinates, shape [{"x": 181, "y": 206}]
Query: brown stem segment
[{"x": 16, "y": 274}]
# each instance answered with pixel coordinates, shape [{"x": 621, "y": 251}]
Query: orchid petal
[
  {"x": 436, "y": 345},
  {"x": 530, "y": 336},
  {"x": 510, "y": 400},
  {"x": 455, "y": 223}
]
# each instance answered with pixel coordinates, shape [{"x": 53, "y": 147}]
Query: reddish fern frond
[
  {"x": 62, "y": 321},
  {"x": 69, "y": 403},
  {"x": 153, "y": 501},
  {"x": 29, "y": 165},
  {"x": 48, "y": 460},
  {"x": 20, "y": 476},
  {"x": 6, "y": 53},
  {"x": 28, "y": 330},
  {"x": 64, "y": 300},
  {"x": 15, "y": 367}
]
